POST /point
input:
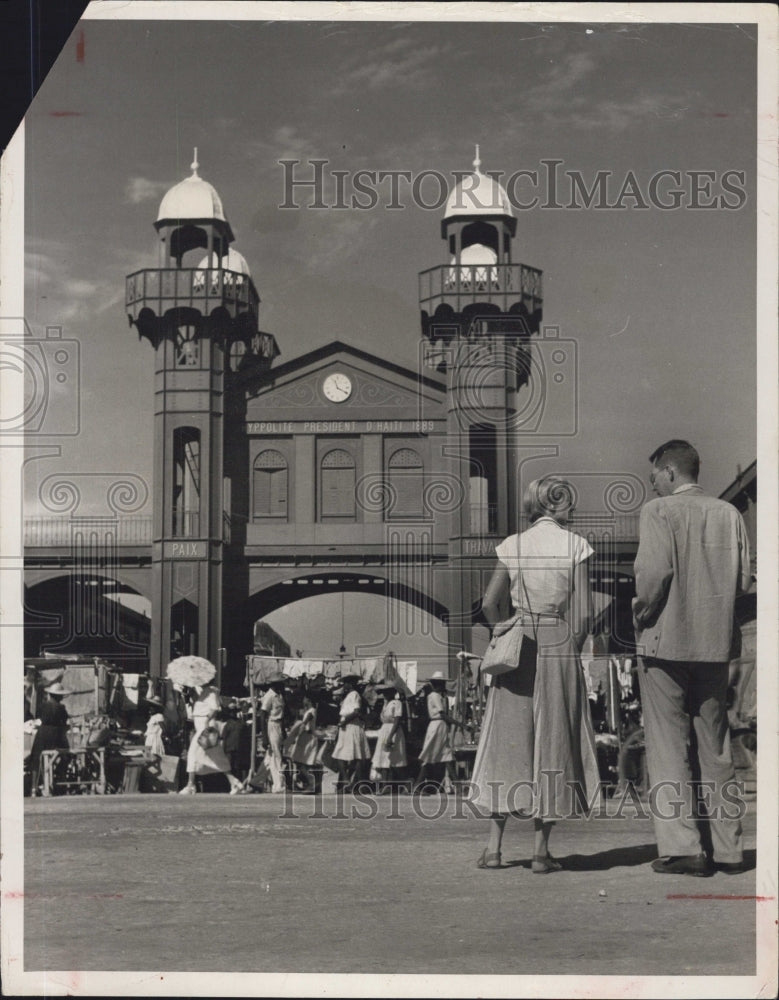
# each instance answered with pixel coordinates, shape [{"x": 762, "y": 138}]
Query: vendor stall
[{"x": 106, "y": 712}]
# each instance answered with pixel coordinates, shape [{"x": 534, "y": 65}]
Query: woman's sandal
[
  {"x": 489, "y": 860},
  {"x": 544, "y": 864}
]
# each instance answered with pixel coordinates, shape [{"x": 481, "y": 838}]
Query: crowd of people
[
  {"x": 304, "y": 728},
  {"x": 536, "y": 733}
]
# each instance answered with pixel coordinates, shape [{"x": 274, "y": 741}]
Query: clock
[{"x": 337, "y": 387}]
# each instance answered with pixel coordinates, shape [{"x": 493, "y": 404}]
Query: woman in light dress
[
  {"x": 390, "y": 752},
  {"x": 204, "y": 709},
  {"x": 351, "y": 748},
  {"x": 437, "y": 748},
  {"x": 536, "y": 755},
  {"x": 301, "y": 745}
]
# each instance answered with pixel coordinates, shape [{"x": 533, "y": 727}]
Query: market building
[{"x": 339, "y": 470}]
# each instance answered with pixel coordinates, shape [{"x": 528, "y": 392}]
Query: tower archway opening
[{"x": 89, "y": 614}]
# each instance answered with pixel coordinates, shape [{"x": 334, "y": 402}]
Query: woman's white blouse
[
  {"x": 542, "y": 560},
  {"x": 351, "y": 703}
]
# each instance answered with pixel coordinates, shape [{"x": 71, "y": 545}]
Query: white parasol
[{"x": 190, "y": 671}]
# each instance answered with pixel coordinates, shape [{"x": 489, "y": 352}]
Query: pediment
[{"x": 377, "y": 390}]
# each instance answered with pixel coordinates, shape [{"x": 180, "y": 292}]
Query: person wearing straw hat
[
  {"x": 206, "y": 759},
  {"x": 52, "y": 734},
  {"x": 272, "y": 709},
  {"x": 437, "y": 748},
  {"x": 351, "y": 747},
  {"x": 390, "y": 752}
]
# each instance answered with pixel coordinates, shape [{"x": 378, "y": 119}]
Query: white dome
[
  {"x": 192, "y": 198},
  {"x": 477, "y": 253},
  {"x": 232, "y": 261},
  {"x": 477, "y": 195}
]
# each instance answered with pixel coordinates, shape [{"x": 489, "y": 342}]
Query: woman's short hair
[{"x": 549, "y": 496}]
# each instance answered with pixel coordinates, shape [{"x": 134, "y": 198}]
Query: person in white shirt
[
  {"x": 272, "y": 723},
  {"x": 351, "y": 747}
]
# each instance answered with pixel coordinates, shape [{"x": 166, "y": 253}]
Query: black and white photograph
[{"x": 382, "y": 394}]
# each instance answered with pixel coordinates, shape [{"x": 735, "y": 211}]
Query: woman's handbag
[
  {"x": 502, "y": 654},
  {"x": 209, "y": 738}
]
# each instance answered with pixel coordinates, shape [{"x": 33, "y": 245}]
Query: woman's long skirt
[
  {"x": 536, "y": 755},
  {"x": 396, "y": 755},
  {"x": 436, "y": 748}
]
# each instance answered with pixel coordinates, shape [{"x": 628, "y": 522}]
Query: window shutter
[
  {"x": 337, "y": 484},
  {"x": 406, "y": 478},
  {"x": 270, "y": 484}
]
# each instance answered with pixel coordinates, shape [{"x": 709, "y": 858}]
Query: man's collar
[{"x": 685, "y": 487}]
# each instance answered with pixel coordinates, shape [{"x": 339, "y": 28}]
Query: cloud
[
  {"x": 140, "y": 189},
  {"x": 399, "y": 63},
  {"x": 284, "y": 143},
  {"x": 65, "y": 289}
]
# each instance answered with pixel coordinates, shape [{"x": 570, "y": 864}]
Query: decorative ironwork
[
  {"x": 270, "y": 459},
  {"x": 338, "y": 459}
]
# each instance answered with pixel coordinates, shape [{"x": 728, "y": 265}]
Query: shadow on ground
[{"x": 618, "y": 857}]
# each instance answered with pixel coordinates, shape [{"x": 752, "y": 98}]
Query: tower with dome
[
  {"x": 336, "y": 470},
  {"x": 198, "y": 308},
  {"x": 479, "y": 311}
]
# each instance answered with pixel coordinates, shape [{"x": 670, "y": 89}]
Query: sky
[{"x": 660, "y": 303}]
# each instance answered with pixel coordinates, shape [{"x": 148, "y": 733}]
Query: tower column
[{"x": 485, "y": 311}]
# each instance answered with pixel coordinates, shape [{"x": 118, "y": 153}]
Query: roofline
[
  {"x": 740, "y": 483},
  {"x": 320, "y": 353}
]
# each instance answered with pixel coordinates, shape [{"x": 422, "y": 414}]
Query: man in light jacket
[{"x": 692, "y": 561}]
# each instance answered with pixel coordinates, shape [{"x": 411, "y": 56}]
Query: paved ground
[{"x": 216, "y": 883}]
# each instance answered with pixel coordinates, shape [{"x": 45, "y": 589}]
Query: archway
[
  {"x": 90, "y": 614},
  {"x": 317, "y": 613}
]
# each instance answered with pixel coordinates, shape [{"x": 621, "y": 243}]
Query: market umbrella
[{"x": 190, "y": 671}]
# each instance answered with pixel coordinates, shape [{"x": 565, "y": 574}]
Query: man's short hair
[{"x": 680, "y": 454}]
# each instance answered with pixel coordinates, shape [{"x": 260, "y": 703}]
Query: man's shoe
[
  {"x": 731, "y": 867},
  {"x": 689, "y": 864}
]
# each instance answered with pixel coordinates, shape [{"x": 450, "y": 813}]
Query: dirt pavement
[{"x": 213, "y": 882}]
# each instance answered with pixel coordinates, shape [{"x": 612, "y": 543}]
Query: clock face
[{"x": 337, "y": 387}]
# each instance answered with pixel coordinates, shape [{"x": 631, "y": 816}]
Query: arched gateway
[{"x": 336, "y": 465}]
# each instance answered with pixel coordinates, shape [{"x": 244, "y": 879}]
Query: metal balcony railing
[
  {"x": 65, "y": 531},
  {"x": 600, "y": 525},
  {"x": 596, "y": 525},
  {"x": 502, "y": 285},
  {"x": 62, "y": 532}
]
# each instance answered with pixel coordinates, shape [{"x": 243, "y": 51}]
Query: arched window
[
  {"x": 337, "y": 482},
  {"x": 187, "y": 347},
  {"x": 406, "y": 480},
  {"x": 269, "y": 485}
]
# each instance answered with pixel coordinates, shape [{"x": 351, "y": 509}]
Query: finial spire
[
  {"x": 476, "y": 161},
  {"x": 194, "y": 165}
]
